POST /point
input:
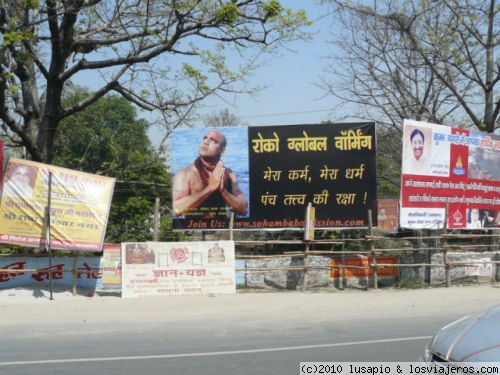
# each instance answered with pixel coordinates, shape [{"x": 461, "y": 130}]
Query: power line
[{"x": 285, "y": 113}]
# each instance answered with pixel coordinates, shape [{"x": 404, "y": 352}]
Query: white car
[{"x": 474, "y": 338}]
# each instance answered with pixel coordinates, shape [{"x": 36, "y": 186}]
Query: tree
[
  {"x": 222, "y": 119},
  {"x": 442, "y": 50},
  {"x": 160, "y": 55},
  {"x": 111, "y": 141}
]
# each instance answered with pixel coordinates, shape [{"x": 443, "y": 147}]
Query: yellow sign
[
  {"x": 79, "y": 206},
  {"x": 310, "y": 219}
]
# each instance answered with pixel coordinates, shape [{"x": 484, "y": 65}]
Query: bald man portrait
[{"x": 208, "y": 188}]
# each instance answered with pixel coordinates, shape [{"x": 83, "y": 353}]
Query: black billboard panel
[{"x": 331, "y": 166}]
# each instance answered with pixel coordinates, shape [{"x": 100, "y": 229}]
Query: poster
[
  {"x": 175, "y": 268},
  {"x": 361, "y": 267},
  {"x": 111, "y": 265},
  {"x": 279, "y": 171},
  {"x": 79, "y": 206},
  {"x": 458, "y": 172},
  {"x": 388, "y": 215}
]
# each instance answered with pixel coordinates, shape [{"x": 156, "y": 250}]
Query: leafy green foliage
[
  {"x": 272, "y": 8},
  {"x": 108, "y": 139},
  {"x": 227, "y": 13}
]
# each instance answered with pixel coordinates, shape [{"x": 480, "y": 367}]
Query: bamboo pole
[{"x": 75, "y": 275}]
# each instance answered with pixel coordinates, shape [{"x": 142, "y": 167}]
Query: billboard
[
  {"x": 272, "y": 174},
  {"x": 449, "y": 168},
  {"x": 79, "y": 206},
  {"x": 178, "y": 268}
]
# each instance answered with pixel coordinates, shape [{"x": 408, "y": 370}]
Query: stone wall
[{"x": 275, "y": 274}]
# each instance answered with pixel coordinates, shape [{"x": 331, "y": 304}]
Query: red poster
[
  {"x": 449, "y": 169},
  {"x": 388, "y": 215}
]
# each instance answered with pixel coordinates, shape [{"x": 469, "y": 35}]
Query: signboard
[
  {"x": 111, "y": 265},
  {"x": 280, "y": 170},
  {"x": 388, "y": 215},
  {"x": 445, "y": 167},
  {"x": 80, "y": 205},
  {"x": 310, "y": 219},
  {"x": 173, "y": 268}
]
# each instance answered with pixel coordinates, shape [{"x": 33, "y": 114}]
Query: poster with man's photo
[
  {"x": 449, "y": 168},
  {"x": 266, "y": 176},
  {"x": 79, "y": 206}
]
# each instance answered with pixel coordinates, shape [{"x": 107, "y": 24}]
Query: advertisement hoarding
[
  {"x": 178, "y": 268},
  {"x": 280, "y": 170},
  {"x": 449, "y": 169},
  {"x": 79, "y": 206}
]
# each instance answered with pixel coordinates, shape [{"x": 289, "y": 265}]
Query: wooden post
[
  {"x": 75, "y": 273},
  {"x": 372, "y": 251},
  {"x": 342, "y": 257},
  {"x": 156, "y": 220},
  {"x": 48, "y": 235},
  {"x": 445, "y": 249},
  {"x": 304, "y": 280},
  {"x": 308, "y": 236},
  {"x": 231, "y": 224}
]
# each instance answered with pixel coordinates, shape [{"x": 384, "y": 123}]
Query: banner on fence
[
  {"x": 278, "y": 170},
  {"x": 111, "y": 265},
  {"x": 360, "y": 267},
  {"x": 445, "y": 167},
  {"x": 88, "y": 272},
  {"x": 79, "y": 205},
  {"x": 166, "y": 268}
]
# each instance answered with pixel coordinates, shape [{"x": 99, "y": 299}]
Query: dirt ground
[{"x": 22, "y": 304}]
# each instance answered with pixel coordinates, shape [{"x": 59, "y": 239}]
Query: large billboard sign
[
  {"x": 272, "y": 174},
  {"x": 446, "y": 169},
  {"x": 79, "y": 206}
]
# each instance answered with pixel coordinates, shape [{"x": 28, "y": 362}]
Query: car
[{"x": 473, "y": 338}]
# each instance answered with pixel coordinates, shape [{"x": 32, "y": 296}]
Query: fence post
[
  {"x": 342, "y": 257},
  {"x": 74, "y": 273},
  {"x": 304, "y": 279},
  {"x": 445, "y": 249},
  {"x": 445, "y": 261},
  {"x": 308, "y": 236},
  {"x": 372, "y": 251}
]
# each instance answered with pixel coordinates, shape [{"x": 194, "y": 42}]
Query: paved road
[{"x": 246, "y": 333}]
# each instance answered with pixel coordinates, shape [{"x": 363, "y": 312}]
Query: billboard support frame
[{"x": 48, "y": 247}]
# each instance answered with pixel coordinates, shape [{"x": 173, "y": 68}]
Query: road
[{"x": 257, "y": 333}]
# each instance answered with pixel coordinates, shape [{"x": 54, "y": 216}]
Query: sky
[{"x": 292, "y": 96}]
